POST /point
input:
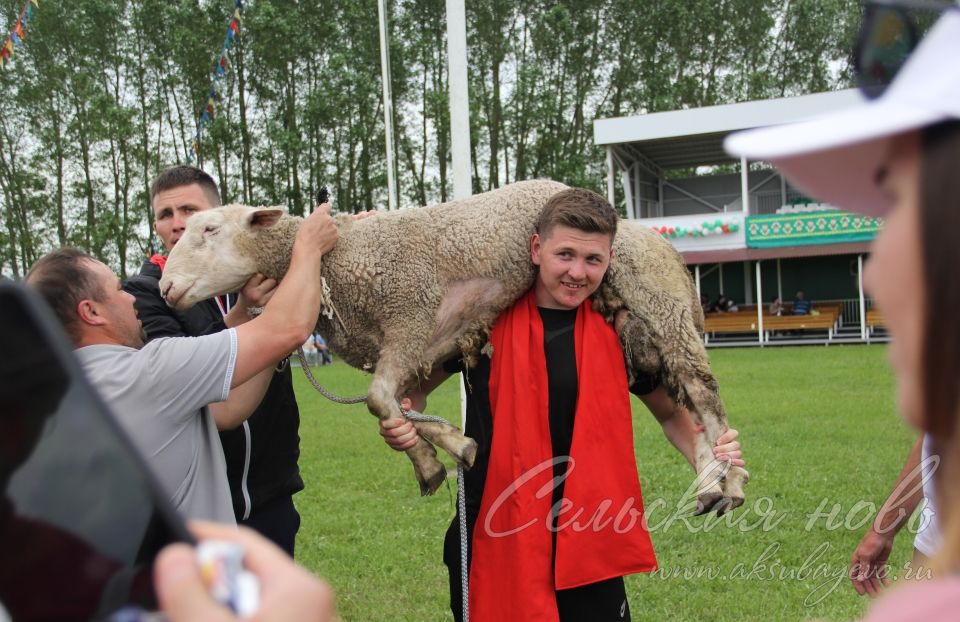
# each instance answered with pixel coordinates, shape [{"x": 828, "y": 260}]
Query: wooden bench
[
  {"x": 731, "y": 322},
  {"x": 874, "y": 321},
  {"x": 745, "y": 321},
  {"x": 827, "y": 319}
]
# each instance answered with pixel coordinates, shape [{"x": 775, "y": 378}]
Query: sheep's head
[{"x": 213, "y": 256}]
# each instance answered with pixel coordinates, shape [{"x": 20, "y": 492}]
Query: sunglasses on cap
[{"x": 890, "y": 31}]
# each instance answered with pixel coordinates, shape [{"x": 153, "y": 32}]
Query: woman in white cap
[{"x": 898, "y": 156}]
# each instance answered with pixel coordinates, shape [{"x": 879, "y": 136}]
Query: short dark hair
[
  {"x": 939, "y": 217},
  {"x": 578, "y": 208},
  {"x": 940, "y": 353},
  {"x": 63, "y": 281},
  {"x": 184, "y": 175}
]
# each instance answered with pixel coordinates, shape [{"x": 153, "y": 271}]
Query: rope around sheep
[
  {"x": 316, "y": 385},
  {"x": 413, "y": 415}
]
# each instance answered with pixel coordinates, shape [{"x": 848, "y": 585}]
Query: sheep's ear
[{"x": 264, "y": 218}]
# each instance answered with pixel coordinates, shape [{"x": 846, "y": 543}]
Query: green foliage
[
  {"x": 105, "y": 93},
  {"x": 817, "y": 425}
]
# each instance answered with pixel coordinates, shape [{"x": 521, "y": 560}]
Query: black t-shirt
[{"x": 562, "y": 382}]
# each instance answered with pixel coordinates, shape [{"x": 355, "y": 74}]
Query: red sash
[{"x": 602, "y": 533}]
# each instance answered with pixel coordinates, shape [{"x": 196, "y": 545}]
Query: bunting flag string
[
  {"x": 16, "y": 35},
  {"x": 218, "y": 83},
  {"x": 706, "y": 228}
]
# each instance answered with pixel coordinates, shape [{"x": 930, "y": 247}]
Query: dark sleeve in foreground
[
  {"x": 453, "y": 366},
  {"x": 645, "y": 384},
  {"x": 159, "y": 320}
]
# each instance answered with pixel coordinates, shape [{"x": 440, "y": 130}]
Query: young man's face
[
  {"x": 572, "y": 264},
  {"x": 172, "y": 207}
]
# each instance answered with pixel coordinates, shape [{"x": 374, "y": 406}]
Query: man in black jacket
[{"x": 262, "y": 451}]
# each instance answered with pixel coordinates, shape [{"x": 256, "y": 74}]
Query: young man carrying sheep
[
  {"x": 160, "y": 391},
  {"x": 552, "y": 377},
  {"x": 261, "y": 448}
]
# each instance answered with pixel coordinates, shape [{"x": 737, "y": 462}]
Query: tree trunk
[{"x": 246, "y": 172}]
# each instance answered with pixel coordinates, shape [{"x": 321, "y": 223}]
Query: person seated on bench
[
  {"x": 708, "y": 307},
  {"x": 801, "y": 306},
  {"x": 776, "y": 307},
  {"x": 726, "y": 306}
]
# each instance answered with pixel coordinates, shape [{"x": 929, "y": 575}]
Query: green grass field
[{"x": 823, "y": 445}]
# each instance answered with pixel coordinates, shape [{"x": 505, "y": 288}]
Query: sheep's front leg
[
  {"x": 685, "y": 371},
  {"x": 719, "y": 486}
]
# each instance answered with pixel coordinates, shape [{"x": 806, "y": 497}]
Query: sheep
[{"x": 411, "y": 289}]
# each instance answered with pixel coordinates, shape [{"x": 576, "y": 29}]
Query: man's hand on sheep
[
  {"x": 727, "y": 448},
  {"x": 257, "y": 291},
  {"x": 363, "y": 215},
  {"x": 255, "y": 294},
  {"x": 399, "y": 433},
  {"x": 318, "y": 232}
]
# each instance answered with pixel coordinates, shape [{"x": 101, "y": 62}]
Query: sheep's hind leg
[
  {"x": 640, "y": 347},
  {"x": 686, "y": 372},
  {"x": 450, "y": 439},
  {"x": 382, "y": 403}
]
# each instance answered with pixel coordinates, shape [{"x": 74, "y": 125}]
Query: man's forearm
[
  {"x": 243, "y": 400},
  {"x": 295, "y": 306},
  {"x": 238, "y": 315},
  {"x": 286, "y": 321},
  {"x": 675, "y": 421},
  {"x": 906, "y": 495},
  {"x": 680, "y": 432}
]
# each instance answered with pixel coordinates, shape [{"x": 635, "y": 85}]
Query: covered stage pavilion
[{"x": 742, "y": 230}]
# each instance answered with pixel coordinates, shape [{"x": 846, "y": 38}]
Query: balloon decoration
[
  {"x": 16, "y": 35},
  {"x": 704, "y": 229},
  {"x": 219, "y": 77}
]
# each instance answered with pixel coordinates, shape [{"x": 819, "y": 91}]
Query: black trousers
[
  {"x": 598, "y": 602},
  {"x": 277, "y": 521}
]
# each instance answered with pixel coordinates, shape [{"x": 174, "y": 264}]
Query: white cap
[{"x": 835, "y": 157}]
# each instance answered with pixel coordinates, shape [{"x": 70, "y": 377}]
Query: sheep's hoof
[
  {"x": 708, "y": 501},
  {"x": 429, "y": 471},
  {"x": 722, "y": 506},
  {"x": 734, "y": 502},
  {"x": 430, "y": 483},
  {"x": 468, "y": 454}
]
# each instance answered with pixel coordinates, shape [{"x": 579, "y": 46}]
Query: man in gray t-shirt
[
  {"x": 175, "y": 432},
  {"x": 160, "y": 392}
]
